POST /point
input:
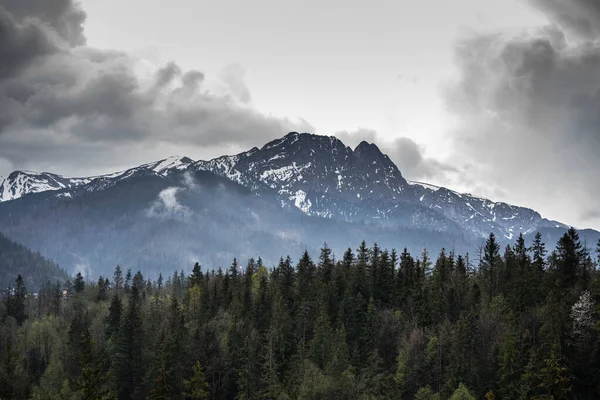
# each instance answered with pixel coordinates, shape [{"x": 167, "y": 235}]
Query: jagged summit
[{"x": 320, "y": 176}]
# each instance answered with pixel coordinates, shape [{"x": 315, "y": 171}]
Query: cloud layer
[
  {"x": 62, "y": 101},
  {"x": 404, "y": 152},
  {"x": 529, "y": 111}
]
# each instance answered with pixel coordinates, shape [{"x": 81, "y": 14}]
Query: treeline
[
  {"x": 513, "y": 324},
  {"x": 34, "y": 268}
]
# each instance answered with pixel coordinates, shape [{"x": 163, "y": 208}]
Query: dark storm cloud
[
  {"x": 409, "y": 158},
  {"x": 58, "y": 95},
  {"x": 404, "y": 152},
  {"x": 65, "y": 17},
  {"x": 20, "y": 43},
  {"x": 579, "y": 16},
  {"x": 530, "y": 107}
]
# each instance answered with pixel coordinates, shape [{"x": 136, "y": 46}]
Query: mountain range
[{"x": 294, "y": 193}]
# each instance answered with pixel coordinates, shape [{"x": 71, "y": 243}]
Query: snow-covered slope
[
  {"x": 317, "y": 174},
  {"x": 20, "y": 183},
  {"x": 480, "y": 215},
  {"x": 320, "y": 176}
]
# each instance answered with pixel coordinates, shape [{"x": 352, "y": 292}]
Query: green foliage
[
  {"x": 555, "y": 376},
  {"x": 377, "y": 325},
  {"x": 425, "y": 393},
  {"x": 16, "y": 259},
  {"x": 196, "y": 388},
  {"x": 462, "y": 393}
]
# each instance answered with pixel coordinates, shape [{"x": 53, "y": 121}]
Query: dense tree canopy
[
  {"x": 375, "y": 324},
  {"x": 34, "y": 269}
]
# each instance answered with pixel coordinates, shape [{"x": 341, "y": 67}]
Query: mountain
[
  {"x": 321, "y": 176},
  {"x": 20, "y": 183},
  {"x": 293, "y": 193},
  {"x": 16, "y": 259}
]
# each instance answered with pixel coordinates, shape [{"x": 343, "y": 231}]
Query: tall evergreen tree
[
  {"x": 129, "y": 365},
  {"x": 16, "y": 303},
  {"x": 118, "y": 279},
  {"x": 79, "y": 283},
  {"x": 490, "y": 260}
]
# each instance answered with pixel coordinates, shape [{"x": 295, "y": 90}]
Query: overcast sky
[{"x": 494, "y": 98}]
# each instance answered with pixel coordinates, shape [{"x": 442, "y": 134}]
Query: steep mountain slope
[
  {"x": 321, "y": 176},
  {"x": 161, "y": 223},
  {"x": 16, "y": 259},
  {"x": 479, "y": 215},
  {"x": 317, "y": 174},
  {"x": 292, "y": 194}
]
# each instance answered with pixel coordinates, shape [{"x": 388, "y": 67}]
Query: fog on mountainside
[{"x": 294, "y": 193}]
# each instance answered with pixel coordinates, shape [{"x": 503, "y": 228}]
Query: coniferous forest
[{"x": 514, "y": 323}]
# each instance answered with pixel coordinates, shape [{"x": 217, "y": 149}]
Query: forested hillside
[
  {"x": 35, "y": 270},
  {"x": 513, "y": 323}
]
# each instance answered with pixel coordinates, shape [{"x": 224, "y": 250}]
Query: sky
[{"x": 498, "y": 99}]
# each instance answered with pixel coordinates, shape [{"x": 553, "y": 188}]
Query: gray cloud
[
  {"x": 409, "y": 157},
  {"x": 60, "y": 97},
  {"x": 167, "y": 206},
  {"x": 65, "y": 17},
  {"x": 529, "y": 107},
  {"x": 404, "y": 152},
  {"x": 233, "y": 76},
  {"x": 581, "y": 17}
]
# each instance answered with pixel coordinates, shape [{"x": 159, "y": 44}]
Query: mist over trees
[
  {"x": 34, "y": 269},
  {"x": 512, "y": 322}
]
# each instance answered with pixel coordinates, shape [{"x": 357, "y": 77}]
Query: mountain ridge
[
  {"x": 290, "y": 195},
  {"x": 321, "y": 176}
]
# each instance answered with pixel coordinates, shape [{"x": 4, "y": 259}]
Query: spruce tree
[
  {"x": 129, "y": 365},
  {"x": 16, "y": 306},
  {"x": 118, "y": 279},
  {"x": 113, "y": 320},
  {"x": 570, "y": 256},
  {"x": 490, "y": 261},
  {"x": 127, "y": 282},
  {"x": 102, "y": 289},
  {"x": 79, "y": 283},
  {"x": 196, "y": 388}
]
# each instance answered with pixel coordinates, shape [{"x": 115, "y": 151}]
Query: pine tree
[
  {"x": 118, "y": 279},
  {"x": 490, "y": 260},
  {"x": 129, "y": 364},
  {"x": 127, "y": 282},
  {"x": 321, "y": 343},
  {"x": 554, "y": 377},
  {"x": 113, "y": 320},
  {"x": 462, "y": 393},
  {"x": 425, "y": 393},
  {"x": 16, "y": 304},
  {"x": 306, "y": 291},
  {"x": 405, "y": 280},
  {"x": 92, "y": 382},
  {"x": 569, "y": 254},
  {"x": 102, "y": 289},
  {"x": 196, "y": 388},
  {"x": 79, "y": 283},
  {"x": 340, "y": 356},
  {"x": 159, "y": 283},
  {"x": 196, "y": 278},
  {"x": 167, "y": 368}
]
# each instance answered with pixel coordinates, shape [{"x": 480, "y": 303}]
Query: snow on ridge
[
  {"x": 170, "y": 163},
  {"x": 22, "y": 182},
  {"x": 425, "y": 185}
]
